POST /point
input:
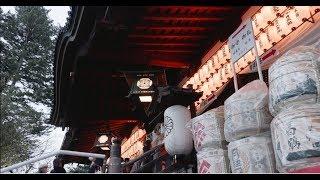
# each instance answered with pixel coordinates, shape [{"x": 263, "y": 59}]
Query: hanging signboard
[
  {"x": 144, "y": 82},
  {"x": 241, "y": 41}
]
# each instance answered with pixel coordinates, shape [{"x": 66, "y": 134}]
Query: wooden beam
[
  {"x": 168, "y": 51},
  {"x": 174, "y": 27},
  {"x": 182, "y": 18},
  {"x": 169, "y": 63},
  {"x": 212, "y": 8},
  {"x": 166, "y": 44},
  {"x": 166, "y": 36}
]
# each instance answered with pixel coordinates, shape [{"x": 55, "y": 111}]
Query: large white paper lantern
[
  {"x": 252, "y": 155},
  {"x": 296, "y": 137},
  {"x": 178, "y": 138},
  {"x": 246, "y": 111},
  {"x": 294, "y": 78}
]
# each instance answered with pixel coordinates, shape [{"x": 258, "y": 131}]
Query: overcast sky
[
  {"x": 57, "y": 13},
  {"x": 53, "y": 141}
]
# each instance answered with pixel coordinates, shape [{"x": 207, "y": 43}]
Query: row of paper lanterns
[
  {"x": 134, "y": 151},
  {"x": 270, "y": 25},
  {"x": 133, "y": 146}
]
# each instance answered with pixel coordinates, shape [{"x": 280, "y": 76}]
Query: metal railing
[{"x": 59, "y": 152}]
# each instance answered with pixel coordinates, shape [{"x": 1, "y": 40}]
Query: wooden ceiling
[
  {"x": 163, "y": 36},
  {"x": 174, "y": 38}
]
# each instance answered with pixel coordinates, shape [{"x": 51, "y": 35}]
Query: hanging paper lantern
[
  {"x": 217, "y": 63},
  {"x": 314, "y": 9},
  {"x": 210, "y": 67},
  {"x": 227, "y": 71},
  {"x": 222, "y": 56},
  {"x": 291, "y": 19},
  {"x": 275, "y": 37},
  {"x": 266, "y": 42},
  {"x": 216, "y": 80},
  {"x": 258, "y": 23},
  {"x": 226, "y": 52},
  {"x": 302, "y": 12},
  {"x": 250, "y": 56},
  {"x": 204, "y": 73},
  {"x": 282, "y": 27},
  {"x": 268, "y": 14},
  {"x": 196, "y": 79},
  {"x": 259, "y": 45},
  {"x": 178, "y": 138},
  {"x": 278, "y": 9},
  {"x": 206, "y": 90},
  {"x": 211, "y": 84}
]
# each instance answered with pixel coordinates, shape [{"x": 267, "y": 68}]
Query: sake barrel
[
  {"x": 296, "y": 137},
  {"x": 252, "y": 155},
  {"x": 246, "y": 111},
  {"x": 178, "y": 138},
  {"x": 207, "y": 129},
  {"x": 294, "y": 78},
  {"x": 212, "y": 161}
]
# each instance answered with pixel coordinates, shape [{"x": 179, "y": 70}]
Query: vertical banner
[{"x": 240, "y": 42}]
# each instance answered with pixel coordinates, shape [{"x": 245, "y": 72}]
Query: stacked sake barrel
[
  {"x": 209, "y": 141},
  {"x": 294, "y": 101},
  {"x": 247, "y": 128}
]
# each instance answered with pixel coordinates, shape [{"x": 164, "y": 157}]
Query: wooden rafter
[
  {"x": 211, "y": 8},
  {"x": 168, "y": 51},
  {"x": 166, "y": 36},
  {"x": 165, "y": 44},
  {"x": 183, "y": 18},
  {"x": 174, "y": 27}
]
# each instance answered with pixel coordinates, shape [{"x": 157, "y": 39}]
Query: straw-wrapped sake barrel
[
  {"x": 213, "y": 161},
  {"x": 246, "y": 111},
  {"x": 207, "y": 129},
  {"x": 294, "y": 78},
  {"x": 252, "y": 155},
  {"x": 296, "y": 137}
]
